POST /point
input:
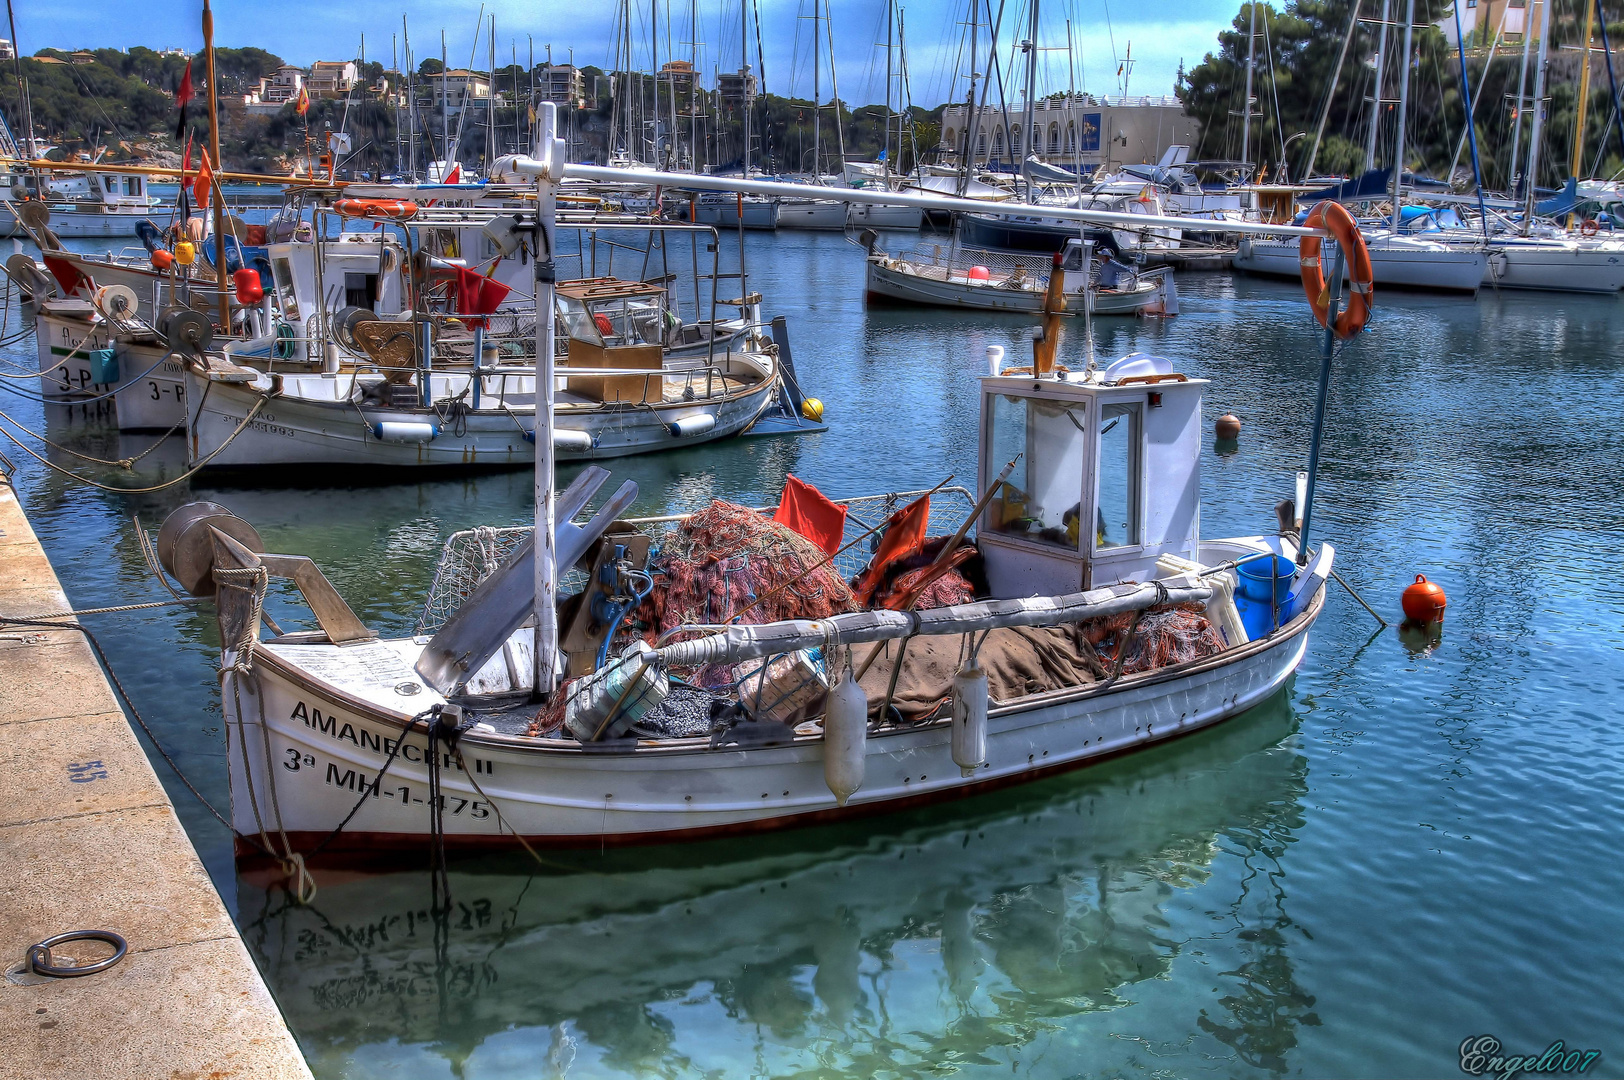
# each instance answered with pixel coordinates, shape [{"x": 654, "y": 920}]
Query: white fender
[
  {"x": 845, "y": 739},
  {"x": 970, "y": 718}
]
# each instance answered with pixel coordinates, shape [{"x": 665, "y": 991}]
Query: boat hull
[
  {"x": 303, "y": 430},
  {"x": 890, "y": 283},
  {"x": 1555, "y": 268},
  {"x": 1431, "y": 267},
  {"x": 875, "y": 216},
  {"x": 323, "y": 749},
  {"x": 811, "y": 214}
]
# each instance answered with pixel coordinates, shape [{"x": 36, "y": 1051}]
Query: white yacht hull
[
  {"x": 875, "y": 216},
  {"x": 1555, "y": 267},
  {"x": 323, "y": 721},
  {"x": 90, "y": 224},
  {"x": 811, "y": 214},
  {"x": 1408, "y": 266}
]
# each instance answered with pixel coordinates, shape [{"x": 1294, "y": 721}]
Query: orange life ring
[
  {"x": 1334, "y": 218},
  {"x": 1588, "y": 227},
  {"x": 376, "y": 209}
]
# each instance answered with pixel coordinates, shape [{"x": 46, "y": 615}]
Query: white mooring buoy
[
  {"x": 845, "y": 738},
  {"x": 970, "y": 718}
]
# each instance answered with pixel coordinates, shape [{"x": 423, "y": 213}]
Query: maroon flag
[{"x": 183, "y": 94}]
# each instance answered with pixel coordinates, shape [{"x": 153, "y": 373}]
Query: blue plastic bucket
[
  {"x": 103, "y": 366},
  {"x": 1262, "y": 590}
]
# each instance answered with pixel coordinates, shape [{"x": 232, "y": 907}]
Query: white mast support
[
  {"x": 1133, "y": 222},
  {"x": 1403, "y": 108},
  {"x": 1522, "y": 102},
  {"x": 545, "y": 167},
  {"x": 1534, "y": 136},
  {"x": 1246, "y": 102},
  {"x": 1376, "y": 94}
]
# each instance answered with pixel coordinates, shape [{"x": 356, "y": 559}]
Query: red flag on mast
[{"x": 183, "y": 94}]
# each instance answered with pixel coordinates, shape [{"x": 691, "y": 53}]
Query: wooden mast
[
  {"x": 222, "y": 294},
  {"x": 1584, "y": 95}
]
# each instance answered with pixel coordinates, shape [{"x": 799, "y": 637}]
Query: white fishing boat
[
  {"x": 470, "y": 400},
  {"x": 339, "y": 741},
  {"x": 1405, "y": 262},
  {"x": 99, "y": 204},
  {"x": 1002, "y": 281}
]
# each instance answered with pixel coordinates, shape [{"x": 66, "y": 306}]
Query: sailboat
[
  {"x": 1087, "y": 515},
  {"x": 1397, "y": 259}
]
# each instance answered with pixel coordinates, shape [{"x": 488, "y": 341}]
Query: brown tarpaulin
[{"x": 1019, "y": 661}]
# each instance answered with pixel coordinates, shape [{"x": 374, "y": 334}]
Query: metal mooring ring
[{"x": 39, "y": 956}]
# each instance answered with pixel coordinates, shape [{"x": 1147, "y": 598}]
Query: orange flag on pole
[
  {"x": 204, "y": 181},
  {"x": 904, "y": 536}
]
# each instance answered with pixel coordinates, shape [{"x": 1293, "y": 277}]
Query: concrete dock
[{"x": 89, "y": 840}]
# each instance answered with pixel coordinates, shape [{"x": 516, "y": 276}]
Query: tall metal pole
[
  {"x": 817, "y": 86},
  {"x": 1471, "y": 127},
  {"x": 551, "y": 154},
  {"x": 222, "y": 295},
  {"x": 1403, "y": 107},
  {"x": 1531, "y": 178},
  {"x": 1515, "y": 167},
  {"x": 1326, "y": 354},
  {"x": 1376, "y": 93},
  {"x": 1246, "y": 102}
]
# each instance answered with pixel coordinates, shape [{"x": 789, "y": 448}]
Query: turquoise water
[{"x": 1409, "y": 846}]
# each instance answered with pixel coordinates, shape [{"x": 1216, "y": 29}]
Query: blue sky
[{"x": 1162, "y": 33}]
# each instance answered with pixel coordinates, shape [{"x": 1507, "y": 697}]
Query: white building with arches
[{"x": 1100, "y": 131}]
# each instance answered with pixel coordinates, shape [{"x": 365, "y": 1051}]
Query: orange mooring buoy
[
  {"x": 1228, "y": 426},
  {"x": 1424, "y": 601}
]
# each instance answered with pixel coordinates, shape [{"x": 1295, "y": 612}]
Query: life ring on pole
[
  {"x": 1588, "y": 227},
  {"x": 376, "y": 209},
  {"x": 1334, "y": 218}
]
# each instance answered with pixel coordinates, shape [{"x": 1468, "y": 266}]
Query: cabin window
[
  {"x": 1041, "y": 500},
  {"x": 111, "y": 183},
  {"x": 1117, "y": 523},
  {"x": 132, "y": 186},
  {"x": 285, "y": 297},
  {"x": 361, "y": 290}
]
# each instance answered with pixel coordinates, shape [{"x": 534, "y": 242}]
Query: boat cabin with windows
[{"x": 1107, "y": 476}]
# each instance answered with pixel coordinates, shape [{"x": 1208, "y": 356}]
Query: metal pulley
[
  {"x": 186, "y": 330},
  {"x": 186, "y": 547},
  {"x": 23, "y": 270},
  {"x": 116, "y": 301},
  {"x": 35, "y": 214}
]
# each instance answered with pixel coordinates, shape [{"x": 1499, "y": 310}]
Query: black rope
[{"x": 377, "y": 781}]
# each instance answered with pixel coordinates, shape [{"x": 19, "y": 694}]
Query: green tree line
[{"x": 1296, "y": 78}]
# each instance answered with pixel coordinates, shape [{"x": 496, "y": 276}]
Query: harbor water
[{"x": 1411, "y": 846}]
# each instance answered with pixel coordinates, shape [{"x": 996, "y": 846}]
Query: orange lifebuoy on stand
[
  {"x": 1334, "y": 218},
  {"x": 1588, "y": 227},
  {"x": 376, "y": 209}
]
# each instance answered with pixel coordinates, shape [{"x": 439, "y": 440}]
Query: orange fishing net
[{"x": 1174, "y": 634}]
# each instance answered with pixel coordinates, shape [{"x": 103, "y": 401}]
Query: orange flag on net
[
  {"x": 806, "y": 510},
  {"x": 904, "y": 536}
]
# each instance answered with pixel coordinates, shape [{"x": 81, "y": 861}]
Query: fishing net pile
[
  {"x": 900, "y": 580},
  {"x": 1024, "y": 660},
  {"x": 729, "y": 561}
]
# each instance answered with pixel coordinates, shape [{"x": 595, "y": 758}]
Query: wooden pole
[{"x": 223, "y": 295}]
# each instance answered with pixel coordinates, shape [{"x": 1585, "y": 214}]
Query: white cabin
[{"x": 1109, "y": 449}]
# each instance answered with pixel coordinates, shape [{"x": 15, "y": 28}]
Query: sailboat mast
[
  {"x": 1584, "y": 93},
  {"x": 1246, "y": 102},
  {"x": 1522, "y": 101},
  {"x": 834, "y": 90},
  {"x": 817, "y": 86},
  {"x": 1532, "y": 177},
  {"x": 1403, "y": 107},
  {"x": 885, "y": 144},
  {"x": 490, "y": 103},
  {"x": 1032, "y": 141},
  {"x": 220, "y": 275},
  {"x": 1376, "y": 93},
  {"x": 445, "y": 106}
]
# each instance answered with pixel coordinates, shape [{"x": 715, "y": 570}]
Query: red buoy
[
  {"x": 1424, "y": 601},
  {"x": 1228, "y": 426},
  {"x": 249, "y": 288}
]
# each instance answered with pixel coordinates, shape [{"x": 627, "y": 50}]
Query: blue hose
[{"x": 620, "y": 613}]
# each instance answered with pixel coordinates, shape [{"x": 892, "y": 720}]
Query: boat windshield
[{"x": 1042, "y": 499}]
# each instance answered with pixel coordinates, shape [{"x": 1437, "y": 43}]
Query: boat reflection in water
[{"x": 1013, "y": 929}]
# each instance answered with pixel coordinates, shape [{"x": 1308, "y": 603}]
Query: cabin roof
[{"x": 606, "y": 289}]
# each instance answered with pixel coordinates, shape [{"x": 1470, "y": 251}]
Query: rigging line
[
  {"x": 1274, "y": 88},
  {"x": 188, "y": 474}
]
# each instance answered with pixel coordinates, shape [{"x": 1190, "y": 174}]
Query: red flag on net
[
  {"x": 183, "y": 94},
  {"x": 904, "y": 536},
  {"x": 807, "y": 511}
]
